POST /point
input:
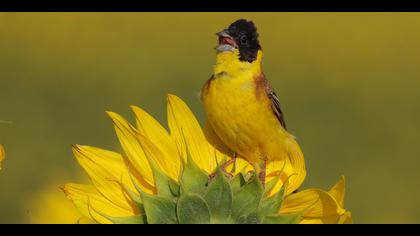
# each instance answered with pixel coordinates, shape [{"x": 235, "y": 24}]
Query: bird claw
[{"x": 223, "y": 169}]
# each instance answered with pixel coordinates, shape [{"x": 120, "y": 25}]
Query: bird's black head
[{"x": 241, "y": 35}]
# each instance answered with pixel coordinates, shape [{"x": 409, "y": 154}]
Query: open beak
[{"x": 226, "y": 42}]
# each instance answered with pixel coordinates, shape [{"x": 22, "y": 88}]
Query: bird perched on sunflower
[{"x": 244, "y": 116}]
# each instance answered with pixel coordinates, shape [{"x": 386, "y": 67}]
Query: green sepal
[
  {"x": 247, "y": 199},
  {"x": 219, "y": 197},
  {"x": 270, "y": 185},
  {"x": 163, "y": 183},
  {"x": 175, "y": 188},
  {"x": 159, "y": 210},
  {"x": 193, "y": 180},
  {"x": 283, "y": 219},
  {"x": 237, "y": 182},
  {"x": 192, "y": 209},
  {"x": 252, "y": 219},
  {"x": 272, "y": 205}
]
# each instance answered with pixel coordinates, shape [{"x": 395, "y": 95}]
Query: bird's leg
[
  {"x": 224, "y": 166},
  {"x": 262, "y": 173},
  {"x": 228, "y": 163}
]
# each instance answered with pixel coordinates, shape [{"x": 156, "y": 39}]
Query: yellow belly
[{"x": 244, "y": 123}]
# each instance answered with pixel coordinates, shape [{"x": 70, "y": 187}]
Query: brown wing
[{"x": 275, "y": 103}]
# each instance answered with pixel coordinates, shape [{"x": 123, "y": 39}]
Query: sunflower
[{"x": 175, "y": 177}]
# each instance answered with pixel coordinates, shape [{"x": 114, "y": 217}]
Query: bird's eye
[{"x": 243, "y": 39}]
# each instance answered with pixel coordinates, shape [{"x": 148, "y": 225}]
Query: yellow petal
[
  {"x": 166, "y": 154},
  {"x": 166, "y": 164},
  {"x": 185, "y": 128},
  {"x": 293, "y": 173},
  {"x": 2, "y": 155},
  {"x": 321, "y": 220},
  {"x": 92, "y": 204},
  {"x": 108, "y": 173},
  {"x": 346, "y": 218},
  {"x": 322, "y": 207},
  {"x": 85, "y": 221},
  {"x": 334, "y": 219},
  {"x": 295, "y": 166},
  {"x": 338, "y": 191},
  {"x": 129, "y": 142},
  {"x": 316, "y": 202}
]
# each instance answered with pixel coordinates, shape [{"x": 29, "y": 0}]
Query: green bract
[{"x": 200, "y": 199}]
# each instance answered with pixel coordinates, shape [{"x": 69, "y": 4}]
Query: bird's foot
[{"x": 223, "y": 169}]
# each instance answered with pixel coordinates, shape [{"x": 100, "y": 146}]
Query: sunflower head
[
  {"x": 176, "y": 177},
  {"x": 197, "y": 198}
]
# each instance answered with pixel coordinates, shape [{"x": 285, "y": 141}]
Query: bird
[{"x": 243, "y": 113}]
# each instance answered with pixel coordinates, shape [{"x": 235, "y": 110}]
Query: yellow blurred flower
[
  {"x": 49, "y": 206},
  {"x": 2, "y": 155},
  {"x": 119, "y": 179}
]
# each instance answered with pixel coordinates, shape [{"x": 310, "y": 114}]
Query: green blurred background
[{"x": 349, "y": 85}]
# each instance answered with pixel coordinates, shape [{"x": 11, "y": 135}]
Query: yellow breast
[{"x": 241, "y": 118}]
